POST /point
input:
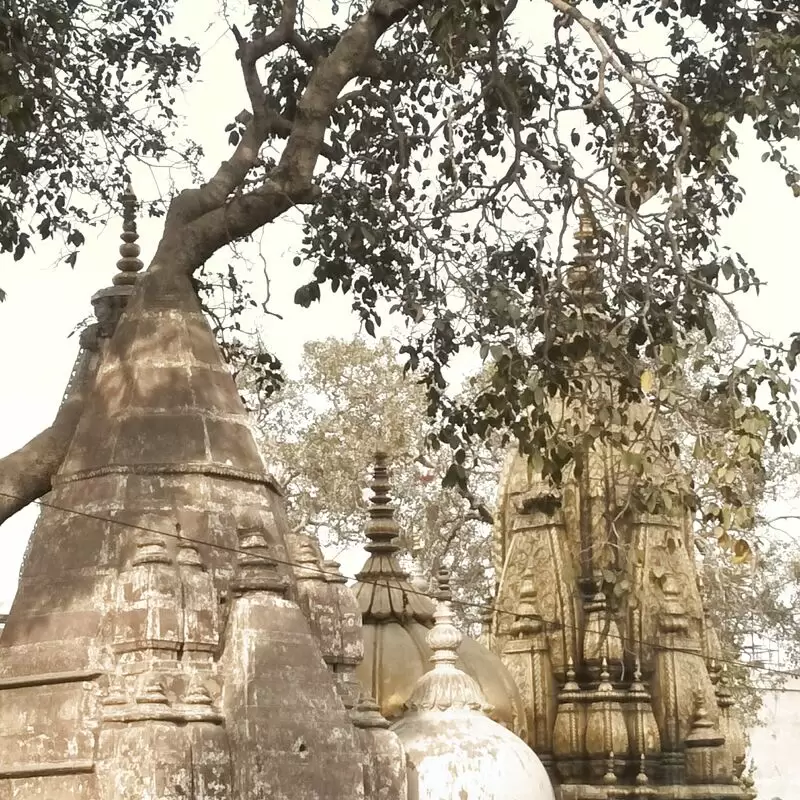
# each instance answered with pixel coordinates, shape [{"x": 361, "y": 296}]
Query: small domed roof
[
  {"x": 397, "y": 619},
  {"x": 452, "y": 748}
]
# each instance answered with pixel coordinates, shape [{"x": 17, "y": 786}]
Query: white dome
[
  {"x": 460, "y": 754},
  {"x": 454, "y": 751}
]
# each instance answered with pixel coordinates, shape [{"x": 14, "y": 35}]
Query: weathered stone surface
[
  {"x": 119, "y": 615},
  {"x": 384, "y": 758},
  {"x": 271, "y": 660}
]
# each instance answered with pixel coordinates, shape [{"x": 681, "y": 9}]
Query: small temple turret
[
  {"x": 109, "y": 303},
  {"x": 453, "y": 748},
  {"x": 527, "y": 656},
  {"x": 397, "y": 617},
  {"x": 268, "y": 651}
]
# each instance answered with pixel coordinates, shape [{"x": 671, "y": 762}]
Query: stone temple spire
[
  {"x": 108, "y": 304},
  {"x": 165, "y": 444},
  {"x": 129, "y": 263},
  {"x": 383, "y": 589},
  {"x": 397, "y": 618},
  {"x": 583, "y": 277},
  {"x": 616, "y": 729}
]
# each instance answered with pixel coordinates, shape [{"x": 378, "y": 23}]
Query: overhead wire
[{"x": 179, "y": 535}]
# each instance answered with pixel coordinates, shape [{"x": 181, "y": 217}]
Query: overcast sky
[{"x": 46, "y": 300}]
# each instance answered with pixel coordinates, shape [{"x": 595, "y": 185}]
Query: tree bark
[{"x": 27, "y": 473}]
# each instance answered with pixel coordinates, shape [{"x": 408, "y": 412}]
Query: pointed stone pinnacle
[
  {"x": 381, "y": 528},
  {"x": 257, "y": 571},
  {"x": 637, "y": 690},
  {"x": 528, "y": 621},
  {"x": 443, "y": 589},
  {"x": 571, "y": 684},
  {"x": 444, "y": 638},
  {"x": 586, "y": 235},
  {"x": 197, "y": 693},
  {"x": 333, "y": 571},
  {"x": 151, "y": 689},
  {"x": 367, "y": 714},
  {"x": 582, "y": 276},
  {"x": 641, "y": 778},
  {"x": 446, "y": 686},
  {"x": 116, "y": 694},
  {"x": 610, "y": 777},
  {"x": 308, "y": 566}
]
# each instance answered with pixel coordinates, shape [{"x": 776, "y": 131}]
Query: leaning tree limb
[
  {"x": 206, "y": 218},
  {"x": 27, "y": 473}
]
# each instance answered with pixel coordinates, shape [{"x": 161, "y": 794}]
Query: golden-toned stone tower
[{"x": 623, "y": 698}]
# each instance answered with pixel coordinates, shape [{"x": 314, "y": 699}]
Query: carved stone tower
[
  {"x": 620, "y": 697},
  {"x": 155, "y": 648}
]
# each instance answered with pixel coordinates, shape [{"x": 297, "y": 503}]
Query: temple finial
[
  {"x": 444, "y": 591},
  {"x": 129, "y": 263},
  {"x": 444, "y": 638},
  {"x": 110, "y": 302},
  {"x": 610, "y": 777},
  {"x": 587, "y": 233},
  {"x": 381, "y": 528},
  {"x": 445, "y": 686},
  {"x": 641, "y": 777},
  {"x": 583, "y": 276}
]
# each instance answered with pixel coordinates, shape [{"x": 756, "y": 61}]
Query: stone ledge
[
  {"x": 197, "y": 468},
  {"x": 44, "y": 770},
  {"x": 49, "y": 678},
  {"x": 571, "y": 791}
]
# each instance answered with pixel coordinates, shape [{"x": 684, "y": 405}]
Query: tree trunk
[{"x": 27, "y": 474}]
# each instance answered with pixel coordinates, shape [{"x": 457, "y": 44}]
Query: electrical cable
[{"x": 553, "y": 624}]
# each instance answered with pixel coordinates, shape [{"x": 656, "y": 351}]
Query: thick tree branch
[
  {"x": 193, "y": 203},
  {"x": 355, "y": 49},
  {"x": 307, "y": 51},
  {"x": 292, "y": 180},
  {"x": 27, "y": 473}
]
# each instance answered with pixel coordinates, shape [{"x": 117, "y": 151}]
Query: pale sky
[{"x": 46, "y": 300}]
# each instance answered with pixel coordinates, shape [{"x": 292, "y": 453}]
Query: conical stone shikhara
[{"x": 142, "y": 657}]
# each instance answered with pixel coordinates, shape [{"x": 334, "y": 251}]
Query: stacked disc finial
[{"x": 129, "y": 263}]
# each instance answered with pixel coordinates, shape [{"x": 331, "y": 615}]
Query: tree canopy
[
  {"x": 436, "y": 151},
  {"x": 83, "y": 86}
]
